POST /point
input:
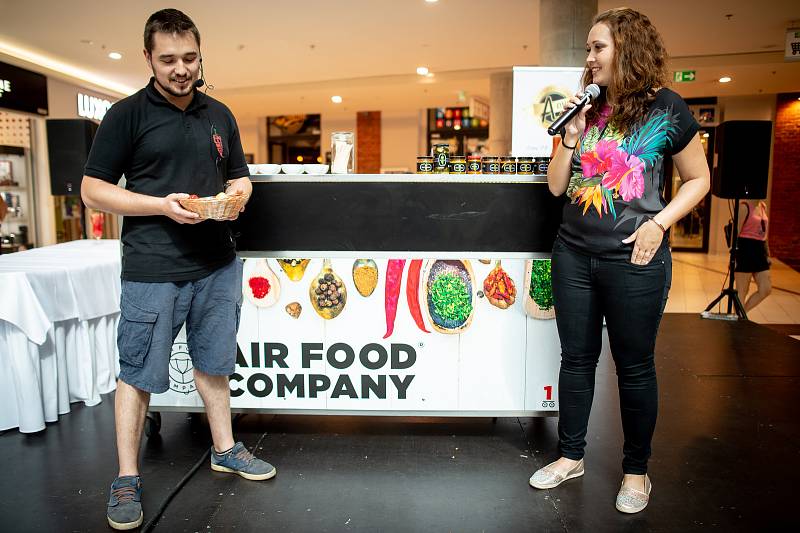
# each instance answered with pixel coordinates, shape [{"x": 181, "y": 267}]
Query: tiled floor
[{"x": 697, "y": 279}]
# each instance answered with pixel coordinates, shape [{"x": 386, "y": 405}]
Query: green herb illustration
[
  {"x": 541, "y": 290},
  {"x": 450, "y": 298}
]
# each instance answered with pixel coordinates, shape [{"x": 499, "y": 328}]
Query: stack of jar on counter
[{"x": 441, "y": 162}]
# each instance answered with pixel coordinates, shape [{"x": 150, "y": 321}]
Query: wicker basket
[{"x": 214, "y": 208}]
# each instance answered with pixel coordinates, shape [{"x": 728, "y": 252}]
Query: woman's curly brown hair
[{"x": 640, "y": 67}]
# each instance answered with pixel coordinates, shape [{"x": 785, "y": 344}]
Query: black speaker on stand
[
  {"x": 741, "y": 171},
  {"x": 68, "y": 145}
]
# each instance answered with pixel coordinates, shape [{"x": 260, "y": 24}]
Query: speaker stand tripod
[{"x": 734, "y": 303}]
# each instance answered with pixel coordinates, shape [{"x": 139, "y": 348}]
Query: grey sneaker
[
  {"x": 125, "y": 503},
  {"x": 240, "y": 461}
]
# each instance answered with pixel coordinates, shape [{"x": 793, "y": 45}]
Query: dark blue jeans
[{"x": 632, "y": 299}]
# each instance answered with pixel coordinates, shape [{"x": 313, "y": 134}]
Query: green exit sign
[{"x": 683, "y": 75}]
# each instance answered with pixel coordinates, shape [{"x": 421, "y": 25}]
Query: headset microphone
[{"x": 202, "y": 80}]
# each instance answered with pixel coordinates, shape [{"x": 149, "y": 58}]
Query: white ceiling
[{"x": 285, "y": 56}]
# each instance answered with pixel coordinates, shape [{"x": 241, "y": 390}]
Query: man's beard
[{"x": 171, "y": 91}]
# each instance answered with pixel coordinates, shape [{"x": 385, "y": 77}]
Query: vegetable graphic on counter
[
  {"x": 394, "y": 277},
  {"x": 412, "y": 293},
  {"x": 327, "y": 292},
  {"x": 499, "y": 288},
  {"x": 539, "y": 289},
  {"x": 294, "y": 268},
  {"x": 294, "y": 309},
  {"x": 260, "y": 285},
  {"x": 365, "y": 276},
  {"x": 449, "y": 302}
]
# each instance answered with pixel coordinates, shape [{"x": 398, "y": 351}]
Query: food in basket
[{"x": 223, "y": 206}]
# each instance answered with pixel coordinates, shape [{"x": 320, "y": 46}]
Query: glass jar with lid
[
  {"x": 525, "y": 166},
  {"x": 473, "y": 164},
  {"x": 490, "y": 164},
  {"x": 343, "y": 153},
  {"x": 508, "y": 165},
  {"x": 458, "y": 164}
]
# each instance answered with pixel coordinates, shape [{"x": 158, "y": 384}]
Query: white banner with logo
[
  {"x": 539, "y": 97},
  {"x": 394, "y": 351}
]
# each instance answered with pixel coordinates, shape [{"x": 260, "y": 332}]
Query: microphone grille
[{"x": 593, "y": 90}]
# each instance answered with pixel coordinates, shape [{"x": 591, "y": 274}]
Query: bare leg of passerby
[
  {"x": 764, "y": 284},
  {"x": 742, "y": 280},
  {"x": 216, "y": 395},
  {"x": 130, "y": 408}
]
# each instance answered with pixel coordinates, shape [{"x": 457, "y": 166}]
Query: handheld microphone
[
  {"x": 202, "y": 80},
  {"x": 591, "y": 92}
]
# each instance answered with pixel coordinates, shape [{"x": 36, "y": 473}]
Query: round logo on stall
[
  {"x": 549, "y": 104},
  {"x": 181, "y": 371}
]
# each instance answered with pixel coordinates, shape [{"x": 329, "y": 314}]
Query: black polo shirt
[{"x": 161, "y": 150}]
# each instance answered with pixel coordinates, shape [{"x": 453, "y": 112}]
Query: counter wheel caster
[{"x": 152, "y": 424}]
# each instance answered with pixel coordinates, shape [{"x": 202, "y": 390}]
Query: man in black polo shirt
[{"x": 170, "y": 141}]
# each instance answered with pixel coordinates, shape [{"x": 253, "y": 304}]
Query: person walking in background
[
  {"x": 752, "y": 255},
  {"x": 611, "y": 257}
]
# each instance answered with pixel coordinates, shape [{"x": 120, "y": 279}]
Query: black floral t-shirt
[{"x": 618, "y": 180}]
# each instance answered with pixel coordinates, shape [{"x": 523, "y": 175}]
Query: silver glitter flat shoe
[
  {"x": 633, "y": 501},
  {"x": 548, "y": 478}
]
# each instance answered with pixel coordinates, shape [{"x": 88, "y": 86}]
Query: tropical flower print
[
  {"x": 614, "y": 167},
  {"x": 625, "y": 175},
  {"x": 598, "y": 160}
]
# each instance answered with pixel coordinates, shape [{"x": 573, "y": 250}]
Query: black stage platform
[{"x": 725, "y": 459}]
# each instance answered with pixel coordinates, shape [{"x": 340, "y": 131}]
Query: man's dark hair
[{"x": 168, "y": 21}]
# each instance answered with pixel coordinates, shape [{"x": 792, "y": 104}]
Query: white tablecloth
[{"x": 59, "y": 309}]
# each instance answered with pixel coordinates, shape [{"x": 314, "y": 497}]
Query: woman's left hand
[{"x": 648, "y": 239}]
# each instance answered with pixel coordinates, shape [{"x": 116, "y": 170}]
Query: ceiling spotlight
[
  {"x": 115, "y": 55},
  {"x": 422, "y": 71},
  {"x": 725, "y": 79},
  {"x": 336, "y": 99},
  {"x": 431, "y": 1}
]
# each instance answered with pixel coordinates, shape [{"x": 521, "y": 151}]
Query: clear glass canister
[{"x": 343, "y": 153}]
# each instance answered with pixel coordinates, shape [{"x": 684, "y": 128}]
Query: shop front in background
[
  {"x": 23, "y": 94},
  {"x": 691, "y": 233},
  {"x": 295, "y": 139},
  {"x": 464, "y": 129}
]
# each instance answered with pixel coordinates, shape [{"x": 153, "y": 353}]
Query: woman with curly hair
[{"x": 611, "y": 257}]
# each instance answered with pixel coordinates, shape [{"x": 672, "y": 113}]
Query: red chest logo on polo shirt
[{"x": 217, "y": 141}]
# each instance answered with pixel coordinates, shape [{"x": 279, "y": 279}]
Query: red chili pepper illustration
[
  {"x": 394, "y": 277},
  {"x": 412, "y": 293},
  {"x": 218, "y": 143}
]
